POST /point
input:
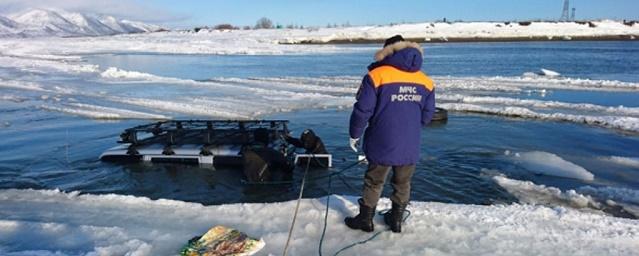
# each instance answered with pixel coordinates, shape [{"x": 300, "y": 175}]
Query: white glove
[{"x": 354, "y": 143}]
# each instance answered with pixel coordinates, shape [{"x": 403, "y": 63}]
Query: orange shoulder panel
[{"x": 387, "y": 75}]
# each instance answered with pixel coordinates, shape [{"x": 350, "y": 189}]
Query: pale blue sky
[
  {"x": 383, "y": 12},
  {"x": 188, "y": 13}
]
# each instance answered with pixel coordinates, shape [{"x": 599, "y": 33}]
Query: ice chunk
[
  {"x": 617, "y": 194},
  {"x": 101, "y": 112},
  {"x": 555, "y": 105},
  {"x": 548, "y": 72},
  {"x": 614, "y": 200},
  {"x": 115, "y": 73},
  {"x": 627, "y": 161},
  {"x": 626, "y": 123},
  {"x": 531, "y": 193},
  {"x": 14, "y": 84},
  {"x": 13, "y": 98},
  {"x": 550, "y": 164}
]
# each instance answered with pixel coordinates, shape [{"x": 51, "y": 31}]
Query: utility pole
[{"x": 565, "y": 12}]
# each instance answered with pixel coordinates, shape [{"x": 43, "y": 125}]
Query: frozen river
[
  {"x": 578, "y": 131},
  {"x": 566, "y": 148}
]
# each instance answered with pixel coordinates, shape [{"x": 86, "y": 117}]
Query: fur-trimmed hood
[
  {"x": 390, "y": 49},
  {"x": 403, "y": 55}
]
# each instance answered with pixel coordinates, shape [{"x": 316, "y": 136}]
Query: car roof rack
[{"x": 207, "y": 132}]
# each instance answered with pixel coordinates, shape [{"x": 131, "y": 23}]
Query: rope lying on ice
[
  {"x": 297, "y": 207},
  {"x": 358, "y": 242},
  {"x": 321, "y": 242},
  {"x": 299, "y": 199},
  {"x": 328, "y": 198}
]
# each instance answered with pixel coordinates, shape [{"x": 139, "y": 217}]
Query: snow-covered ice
[
  {"x": 543, "y": 104},
  {"x": 269, "y": 95},
  {"x": 536, "y": 82},
  {"x": 624, "y": 123},
  {"x": 127, "y": 225}
]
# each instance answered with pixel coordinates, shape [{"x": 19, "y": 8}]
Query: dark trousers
[{"x": 376, "y": 177}]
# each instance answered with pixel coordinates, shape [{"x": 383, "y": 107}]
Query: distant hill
[{"x": 42, "y": 22}]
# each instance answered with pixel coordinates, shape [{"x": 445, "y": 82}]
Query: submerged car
[{"x": 260, "y": 147}]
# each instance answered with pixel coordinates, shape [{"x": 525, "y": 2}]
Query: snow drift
[{"x": 71, "y": 224}]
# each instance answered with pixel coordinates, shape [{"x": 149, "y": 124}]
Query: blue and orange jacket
[{"x": 394, "y": 102}]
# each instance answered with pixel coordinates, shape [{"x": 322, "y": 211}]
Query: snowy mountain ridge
[{"x": 59, "y": 23}]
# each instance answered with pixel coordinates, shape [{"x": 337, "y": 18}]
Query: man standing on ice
[{"x": 394, "y": 102}]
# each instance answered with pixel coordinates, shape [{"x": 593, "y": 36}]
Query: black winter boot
[
  {"x": 395, "y": 217},
  {"x": 364, "y": 220}
]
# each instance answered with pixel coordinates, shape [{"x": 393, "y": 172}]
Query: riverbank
[
  {"x": 323, "y": 40},
  {"x": 604, "y": 30},
  {"x": 478, "y": 39}
]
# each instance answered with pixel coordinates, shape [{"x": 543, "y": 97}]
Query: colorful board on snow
[{"x": 221, "y": 240}]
